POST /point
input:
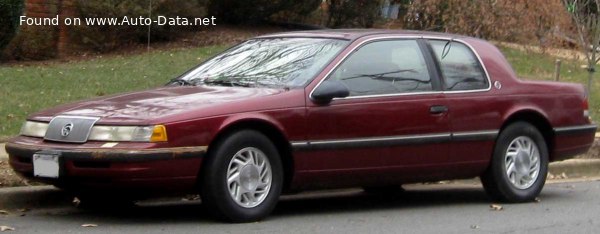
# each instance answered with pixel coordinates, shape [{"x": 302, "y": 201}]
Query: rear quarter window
[{"x": 460, "y": 67}]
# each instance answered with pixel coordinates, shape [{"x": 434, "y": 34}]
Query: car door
[
  {"x": 474, "y": 117},
  {"x": 392, "y": 127}
]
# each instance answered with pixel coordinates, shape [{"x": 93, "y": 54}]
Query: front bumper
[{"x": 162, "y": 169}]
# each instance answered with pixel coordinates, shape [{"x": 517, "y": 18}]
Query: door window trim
[
  {"x": 437, "y": 76},
  {"x": 438, "y": 65}
]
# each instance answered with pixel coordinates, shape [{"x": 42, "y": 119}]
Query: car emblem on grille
[{"x": 66, "y": 130}]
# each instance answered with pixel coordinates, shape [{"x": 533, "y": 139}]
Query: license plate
[{"x": 46, "y": 165}]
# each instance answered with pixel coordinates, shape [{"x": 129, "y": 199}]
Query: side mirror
[{"x": 329, "y": 90}]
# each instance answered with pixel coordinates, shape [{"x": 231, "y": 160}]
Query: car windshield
[{"x": 268, "y": 62}]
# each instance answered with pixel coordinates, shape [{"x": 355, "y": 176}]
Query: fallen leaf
[
  {"x": 6, "y": 228},
  {"x": 191, "y": 197},
  {"x": 3, "y": 212},
  {"x": 496, "y": 207},
  {"x": 89, "y": 225},
  {"x": 76, "y": 201}
]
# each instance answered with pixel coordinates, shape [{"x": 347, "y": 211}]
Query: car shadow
[
  {"x": 290, "y": 206},
  {"x": 359, "y": 201}
]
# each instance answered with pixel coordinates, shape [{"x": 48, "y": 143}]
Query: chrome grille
[{"x": 75, "y": 129}]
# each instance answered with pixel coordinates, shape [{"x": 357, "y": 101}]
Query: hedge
[{"x": 10, "y": 10}]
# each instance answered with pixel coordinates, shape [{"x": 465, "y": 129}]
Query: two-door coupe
[{"x": 316, "y": 109}]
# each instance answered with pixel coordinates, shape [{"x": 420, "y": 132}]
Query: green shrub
[
  {"x": 353, "y": 13},
  {"x": 256, "y": 11},
  {"x": 105, "y": 38},
  {"x": 243, "y": 11},
  {"x": 10, "y": 10},
  {"x": 298, "y": 11},
  {"x": 523, "y": 21},
  {"x": 33, "y": 42}
]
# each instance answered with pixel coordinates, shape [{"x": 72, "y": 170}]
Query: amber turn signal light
[{"x": 159, "y": 134}]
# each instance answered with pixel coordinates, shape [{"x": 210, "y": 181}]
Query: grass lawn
[
  {"x": 537, "y": 66},
  {"x": 29, "y": 88}
]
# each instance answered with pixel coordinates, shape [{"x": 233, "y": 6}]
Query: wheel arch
[
  {"x": 538, "y": 120},
  {"x": 270, "y": 129}
]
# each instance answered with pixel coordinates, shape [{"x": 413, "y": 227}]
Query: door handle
[{"x": 438, "y": 109}]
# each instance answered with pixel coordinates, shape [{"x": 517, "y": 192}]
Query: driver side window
[{"x": 385, "y": 67}]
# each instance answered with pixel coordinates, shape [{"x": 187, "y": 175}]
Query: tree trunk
[
  {"x": 66, "y": 9},
  {"x": 591, "y": 71}
]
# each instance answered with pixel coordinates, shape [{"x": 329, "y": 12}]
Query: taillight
[{"x": 585, "y": 105}]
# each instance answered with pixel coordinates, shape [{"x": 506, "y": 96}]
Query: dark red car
[{"x": 309, "y": 110}]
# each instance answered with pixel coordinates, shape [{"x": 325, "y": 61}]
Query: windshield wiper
[
  {"x": 227, "y": 81},
  {"x": 179, "y": 82},
  {"x": 271, "y": 83},
  {"x": 240, "y": 81},
  {"x": 256, "y": 80}
]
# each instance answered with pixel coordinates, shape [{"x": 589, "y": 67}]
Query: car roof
[{"x": 353, "y": 34}]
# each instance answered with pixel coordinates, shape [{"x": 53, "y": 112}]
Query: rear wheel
[
  {"x": 242, "y": 177},
  {"x": 517, "y": 172}
]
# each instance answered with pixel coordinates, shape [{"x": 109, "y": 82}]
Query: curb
[
  {"x": 574, "y": 168},
  {"x": 30, "y": 197},
  {"x": 3, "y": 154}
]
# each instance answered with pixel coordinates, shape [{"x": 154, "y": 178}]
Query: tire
[
  {"x": 519, "y": 164},
  {"x": 250, "y": 196}
]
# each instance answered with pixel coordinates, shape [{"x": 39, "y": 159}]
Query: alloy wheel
[
  {"x": 522, "y": 162},
  {"x": 249, "y": 177}
]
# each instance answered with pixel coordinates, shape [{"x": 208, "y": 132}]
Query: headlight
[
  {"x": 157, "y": 133},
  {"x": 34, "y": 129}
]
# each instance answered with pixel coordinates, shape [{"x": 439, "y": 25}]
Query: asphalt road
[{"x": 562, "y": 208}]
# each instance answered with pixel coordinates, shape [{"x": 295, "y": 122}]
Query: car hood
[{"x": 144, "y": 106}]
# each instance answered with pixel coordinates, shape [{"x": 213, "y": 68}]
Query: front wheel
[
  {"x": 517, "y": 172},
  {"x": 242, "y": 177}
]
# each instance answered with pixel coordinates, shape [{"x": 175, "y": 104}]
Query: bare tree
[{"x": 586, "y": 16}]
